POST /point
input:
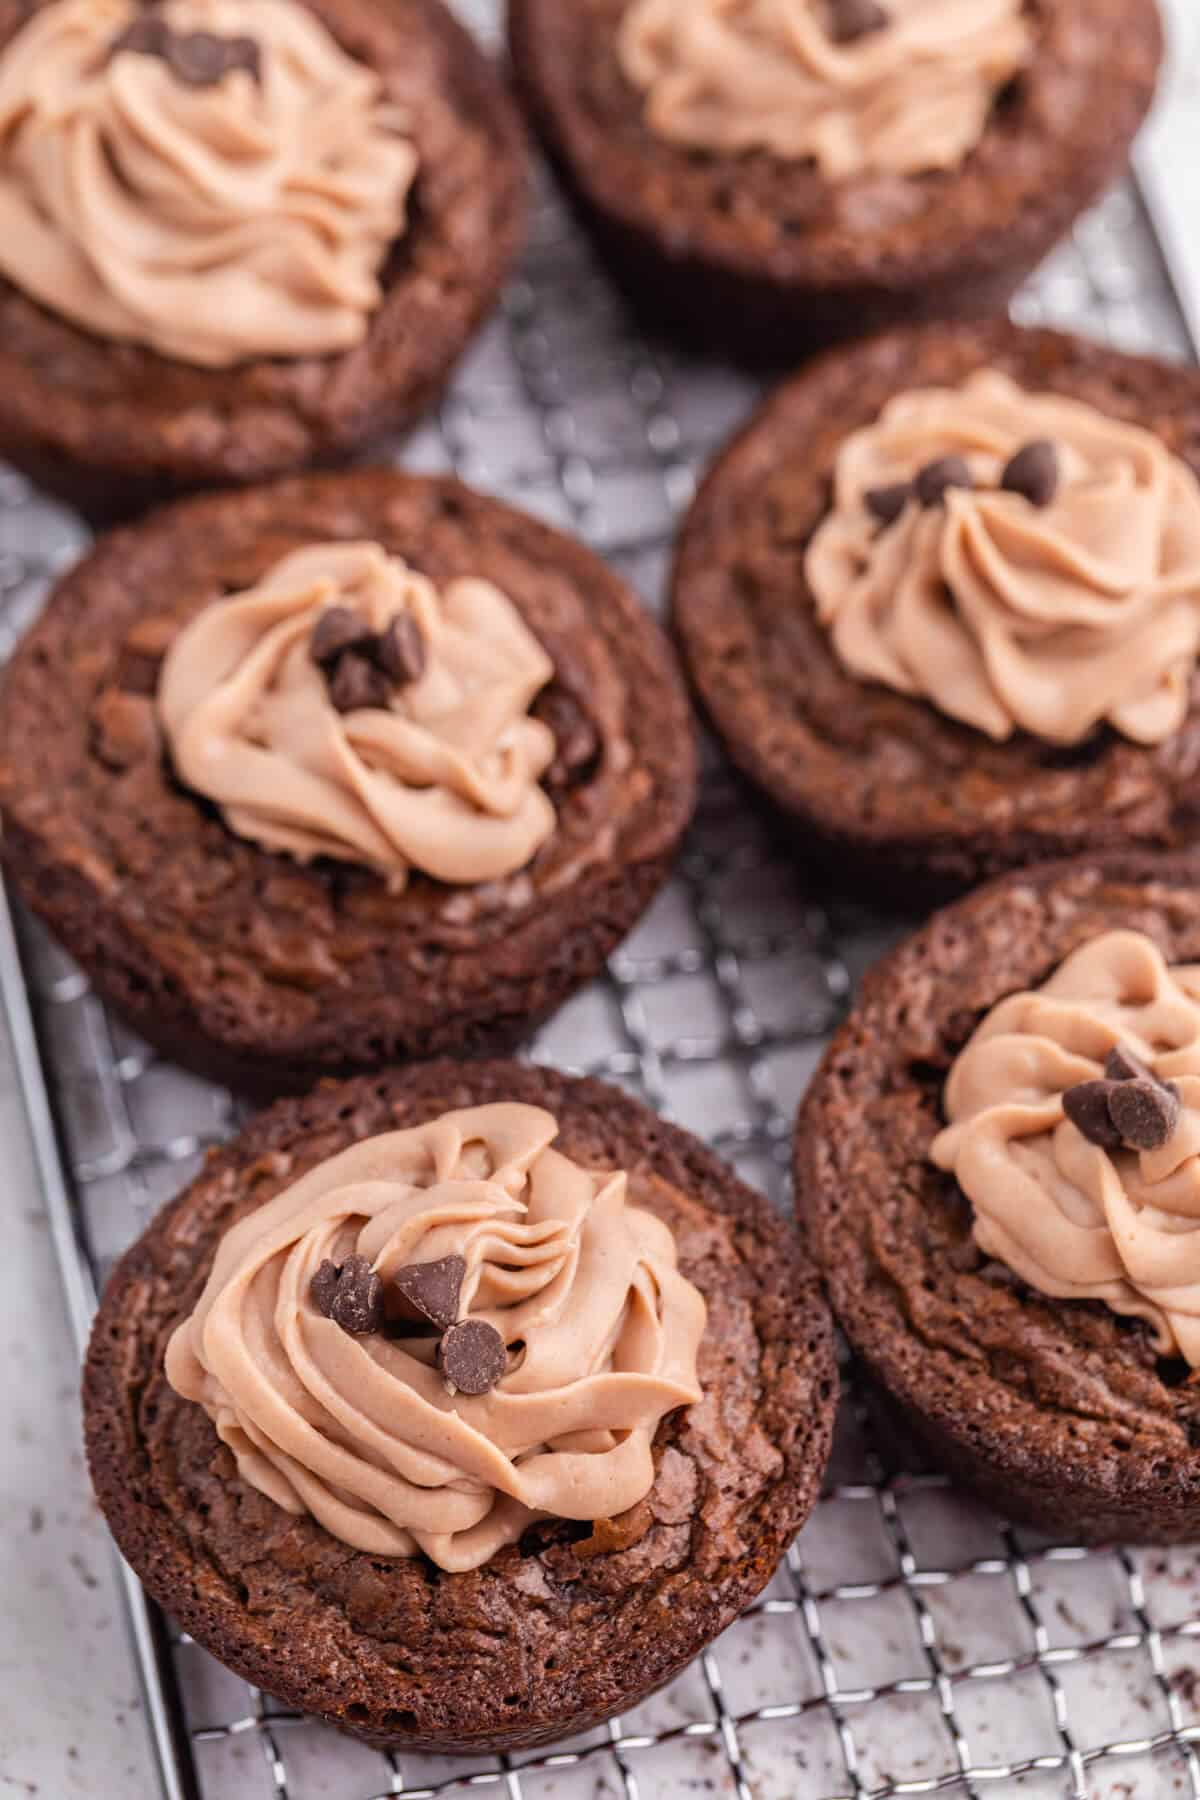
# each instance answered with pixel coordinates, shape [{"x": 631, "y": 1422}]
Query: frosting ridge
[
  {"x": 914, "y": 93},
  {"x": 1073, "y": 1219},
  {"x": 442, "y": 778},
  {"x": 1010, "y": 616},
  {"x": 363, "y": 1432},
  {"x": 246, "y": 216}
]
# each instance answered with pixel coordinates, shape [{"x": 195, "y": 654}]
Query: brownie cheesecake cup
[
  {"x": 999, "y": 1166},
  {"x": 941, "y": 600},
  {"x": 461, "y": 1407},
  {"x": 770, "y": 174},
  {"x": 235, "y": 240},
  {"x": 342, "y": 769}
]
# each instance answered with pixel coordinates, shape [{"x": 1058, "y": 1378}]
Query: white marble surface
[{"x": 70, "y": 1715}]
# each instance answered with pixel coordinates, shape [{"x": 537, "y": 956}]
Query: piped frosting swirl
[
  {"x": 914, "y": 93},
  {"x": 363, "y": 1432},
  {"x": 443, "y": 777},
  {"x": 1007, "y": 615},
  {"x": 213, "y": 221},
  {"x": 1073, "y": 1219}
]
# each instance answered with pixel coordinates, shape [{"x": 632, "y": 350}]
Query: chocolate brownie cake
[
  {"x": 771, "y": 176},
  {"x": 431, "y": 1575},
  {"x": 998, "y": 1163},
  {"x": 277, "y": 263},
  {"x": 941, "y": 600},
  {"x": 351, "y": 767}
]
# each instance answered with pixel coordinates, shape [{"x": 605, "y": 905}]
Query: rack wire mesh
[{"x": 910, "y": 1643}]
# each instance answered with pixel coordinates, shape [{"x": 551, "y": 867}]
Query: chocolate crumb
[
  {"x": 887, "y": 503},
  {"x": 1033, "y": 472},
  {"x": 472, "y": 1356},
  {"x": 400, "y": 651},
  {"x": 621, "y": 1533},
  {"x": 428, "y": 1291},
  {"x": 936, "y": 478}
]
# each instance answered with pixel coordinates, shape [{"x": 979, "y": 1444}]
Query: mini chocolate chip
[
  {"x": 357, "y": 1304},
  {"x": 887, "y": 503},
  {"x": 356, "y": 683},
  {"x": 147, "y": 35},
  {"x": 400, "y": 652},
  {"x": 429, "y": 1290},
  {"x": 936, "y": 477},
  {"x": 852, "y": 19},
  {"x": 201, "y": 58},
  {"x": 472, "y": 1356},
  {"x": 323, "y": 1287},
  {"x": 338, "y": 628},
  {"x": 1033, "y": 472},
  {"x": 1123, "y": 1065},
  {"x": 1144, "y": 1112},
  {"x": 1086, "y": 1105}
]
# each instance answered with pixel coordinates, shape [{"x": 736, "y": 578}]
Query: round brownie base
[
  {"x": 764, "y": 259},
  {"x": 1058, "y": 1413},
  {"x": 542, "y": 1641},
  {"x": 888, "y": 791},
  {"x": 259, "y": 971},
  {"x": 113, "y": 428}
]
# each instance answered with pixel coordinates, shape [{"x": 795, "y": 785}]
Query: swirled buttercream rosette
[
  {"x": 1073, "y": 1219},
  {"x": 363, "y": 1431},
  {"x": 442, "y": 776},
  {"x": 213, "y": 220}
]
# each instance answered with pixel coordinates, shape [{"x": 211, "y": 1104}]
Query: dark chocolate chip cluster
[
  {"x": 471, "y": 1353},
  {"x": 364, "y": 667},
  {"x": 197, "y": 58},
  {"x": 1131, "y": 1109},
  {"x": 1033, "y": 473}
]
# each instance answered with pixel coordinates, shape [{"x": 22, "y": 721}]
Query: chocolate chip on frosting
[
  {"x": 1122, "y": 1065},
  {"x": 887, "y": 503},
  {"x": 853, "y": 19},
  {"x": 428, "y": 1291},
  {"x": 1130, "y": 1108},
  {"x": 1144, "y": 1112},
  {"x": 352, "y": 1295},
  {"x": 400, "y": 650},
  {"x": 147, "y": 35},
  {"x": 356, "y": 682},
  {"x": 201, "y": 58},
  {"x": 197, "y": 58},
  {"x": 472, "y": 1356},
  {"x": 1086, "y": 1105},
  {"x": 338, "y": 628},
  {"x": 937, "y": 477},
  {"x": 1033, "y": 472}
]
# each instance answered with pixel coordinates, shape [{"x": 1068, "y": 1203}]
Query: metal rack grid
[{"x": 910, "y": 1644}]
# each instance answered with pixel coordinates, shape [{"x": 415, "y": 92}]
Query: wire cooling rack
[{"x": 911, "y": 1643}]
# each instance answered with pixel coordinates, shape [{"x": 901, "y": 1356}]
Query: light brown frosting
[
  {"x": 1069, "y": 1218},
  {"x": 733, "y": 75},
  {"x": 444, "y": 779},
  {"x": 1006, "y": 615},
  {"x": 213, "y": 223},
  {"x": 363, "y": 1432}
]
